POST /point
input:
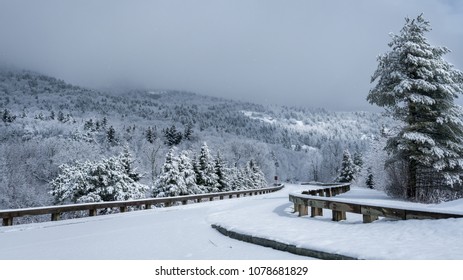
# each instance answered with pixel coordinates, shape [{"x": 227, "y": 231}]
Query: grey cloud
[{"x": 311, "y": 53}]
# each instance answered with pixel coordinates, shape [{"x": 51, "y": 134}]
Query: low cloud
[{"x": 309, "y": 53}]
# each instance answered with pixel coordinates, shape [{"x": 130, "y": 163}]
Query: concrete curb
[{"x": 281, "y": 246}]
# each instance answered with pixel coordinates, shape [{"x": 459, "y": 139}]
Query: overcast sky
[{"x": 312, "y": 53}]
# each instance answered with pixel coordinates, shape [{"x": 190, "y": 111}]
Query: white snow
[
  {"x": 382, "y": 239},
  {"x": 184, "y": 232},
  {"x": 180, "y": 232},
  {"x": 259, "y": 116}
]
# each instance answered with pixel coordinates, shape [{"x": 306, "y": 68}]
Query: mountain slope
[{"x": 47, "y": 122}]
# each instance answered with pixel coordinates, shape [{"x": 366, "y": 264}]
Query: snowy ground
[
  {"x": 382, "y": 239},
  {"x": 184, "y": 232},
  {"x": 181, "y": 232}
]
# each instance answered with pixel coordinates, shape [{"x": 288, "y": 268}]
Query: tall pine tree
[
  {"x": 185, "y": 167},
  {"x": 206, "y": 176},
  {"x": 170, "y": 181},
  {"x": 222, "y": 178},
  {"x": 126, "y": 161},
  {"x": 417, "y": 87}
]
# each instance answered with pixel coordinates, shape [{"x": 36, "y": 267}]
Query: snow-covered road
[
  {"x": 184, "y": 232},
  {"x": 181, "y": 232}
]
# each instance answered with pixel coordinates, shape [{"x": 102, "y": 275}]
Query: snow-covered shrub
[{"x": 110, "y": 179}]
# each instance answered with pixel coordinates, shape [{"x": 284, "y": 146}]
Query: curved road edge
[{"x": 280, "y": 246}]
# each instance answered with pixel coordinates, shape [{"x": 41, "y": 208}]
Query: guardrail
[
  {"x": 56, "y": 211},
  {"x": 333, "y": 190},
  {"x": 370, "y": 212}
]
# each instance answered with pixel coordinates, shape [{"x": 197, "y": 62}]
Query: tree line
[{"x": 115, "y": 178}]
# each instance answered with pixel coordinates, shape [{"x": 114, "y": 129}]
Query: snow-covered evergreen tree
[
  {"x": 111, "y": 135},
  {"x": 7, "y": 117},
  {"x": 188, "y": 133},
  {"x": 172, "y": 136},
  {"x": 170, "y": 182},
  {"x": 126, "y": 160},
  {"x": 256, "y": 175},
  {"x": 246, "y": 177},
  {"x": 206, "y": 176},
  {"x": 150, "y": 135},
  {"x": 106, "y": 180},
  {"x": 370, "y": 182},
  {"x": 348, "y": 168},
  {"x": 236, "y": 179},
  {"x": 71, "y": 183},
  {"x": 196, "y": 169},
  {"x": 221, "y": 172},
  {"x": 358, "y": 161},
  {"x": 185, "y": 167},
  {"x": 417, "y": 87}
]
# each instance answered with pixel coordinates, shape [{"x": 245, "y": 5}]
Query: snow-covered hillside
[{"x": 47, "y": 122}]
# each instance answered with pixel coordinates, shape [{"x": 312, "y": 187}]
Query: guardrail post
[
  {"x": 184, "y": 202},
  {"x": 55, "y": 216},
  {"x": 318, "y": 211},
  {"x": 221, "y": 197},
  {"x": 147, "y": 206},
  {"x": 7, "y": 222},
  {"x": 198, "y": 200},
  {"x": 314, "y": 211},
  {"x": 92, "y": 212},
  {"x": 123, "y": 209},
  {"x": 338, "y": 215},
  {"x": 328, "y": 192},
  {"x": 230, "y": 196},
  {"x": 369, "y": 218},
  {"x": 211, "y": 198},
  {"x": 303, "y": 210},
  {"x": 238, "y": 195}
]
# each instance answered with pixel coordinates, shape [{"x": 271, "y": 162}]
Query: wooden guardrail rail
[
  {"x": 370, "y": 212},
  {"x": 56, "y": 211}
]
